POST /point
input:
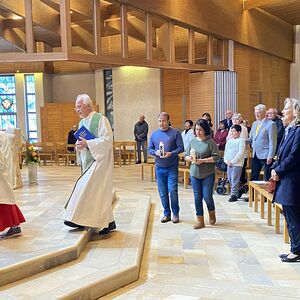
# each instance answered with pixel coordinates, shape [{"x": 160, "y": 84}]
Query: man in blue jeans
[{"x": 165, "y": 144}]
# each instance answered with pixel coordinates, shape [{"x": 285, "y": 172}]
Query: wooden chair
[
  {"x": 60, "y": 152},
  {"x": 128, "y": 151},
  {"x": 117, "y": 148},
  {"x": 48, "y": 152},
  {"x": 70, "y": 155}
]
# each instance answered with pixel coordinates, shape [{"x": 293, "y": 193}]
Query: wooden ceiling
[
  {"x": 287, "y": 10},
  {"x": 112, "y": 32}
]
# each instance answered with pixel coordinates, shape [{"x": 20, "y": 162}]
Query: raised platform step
[
  {"x": 106, "y": 263},
  {"x": 53, "y": 242}
]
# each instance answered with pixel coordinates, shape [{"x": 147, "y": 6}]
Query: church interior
[{"x": 141, "y": 58}]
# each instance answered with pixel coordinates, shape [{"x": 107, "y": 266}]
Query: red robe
[{"x": 10, "y": 215}]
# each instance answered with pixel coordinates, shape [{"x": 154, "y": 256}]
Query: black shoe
[
  {"x": 12, "y": 232},
  {"x": 111, "y": 226},
  {"x": 138, "y": 162},
  {"x": 293, "y": 259},
  {"x": 145, "y": 161},
  {"x": 73, "y": 225},
  {"x": 233, "y": 198},
  {"x": 282, "y": 255},
  {"x": 165, "y": 219}
]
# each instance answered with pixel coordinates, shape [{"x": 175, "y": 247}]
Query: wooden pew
[{"x": 258, "y": 193}]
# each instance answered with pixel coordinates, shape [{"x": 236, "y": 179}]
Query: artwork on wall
[{"x": 109, "y": 100}]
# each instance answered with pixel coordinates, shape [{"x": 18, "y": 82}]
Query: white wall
[
  {"x": 66, "y": 87},
  {"x": 295, "y": 68},
  {"x": 136, "y": 91}
]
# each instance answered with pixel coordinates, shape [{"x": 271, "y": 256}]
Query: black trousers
[
  {"x": 292, "y": 217},
  {"x": 256, "y": 166}
]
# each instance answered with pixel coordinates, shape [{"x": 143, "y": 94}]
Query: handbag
[{"x": 271, "y": 186}]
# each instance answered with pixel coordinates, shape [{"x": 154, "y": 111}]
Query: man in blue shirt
[{"x": 165, "y": 144}]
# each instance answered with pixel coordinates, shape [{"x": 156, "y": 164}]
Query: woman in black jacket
[{"x": 286, "y": 173}]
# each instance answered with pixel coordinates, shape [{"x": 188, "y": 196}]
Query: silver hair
[
  {"x": 260, "y": 107},
  {"x": 85, "y": 99},
  {"x": 295, "y": 105},
  {"x": 237, "y": 116}
]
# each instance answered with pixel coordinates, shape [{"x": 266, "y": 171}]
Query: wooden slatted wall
[
  {"x": 202, "y": 94},
  {"x": 262, "y": 78},
  {"x": 57, "y": 120},
  {"x": 175, "y": 89}
]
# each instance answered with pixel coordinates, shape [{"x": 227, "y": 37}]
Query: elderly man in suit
[{"x": 263, "y": 138}]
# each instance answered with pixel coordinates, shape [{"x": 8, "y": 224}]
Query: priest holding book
[{"x": 90, "y": 204}]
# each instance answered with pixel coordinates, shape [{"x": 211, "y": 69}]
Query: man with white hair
[
  {"x": 90, "y": 203},
  {"x": 263, "y": 138}
]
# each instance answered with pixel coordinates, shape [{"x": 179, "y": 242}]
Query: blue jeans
[
  {"x": 167, "y": 183},
  {"x": 203, "y": 188}
]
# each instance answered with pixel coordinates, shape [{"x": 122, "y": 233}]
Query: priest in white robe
[
  {"x": 10, "y": 215},
  {"x": 90, "y": 203}
]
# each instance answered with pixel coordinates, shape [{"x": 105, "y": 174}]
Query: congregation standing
[{"x": 268, "y": 136}]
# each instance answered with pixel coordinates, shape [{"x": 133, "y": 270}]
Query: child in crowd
[
  {"x": 220, "y": 136},
  {"x": 234, "y": 158}
]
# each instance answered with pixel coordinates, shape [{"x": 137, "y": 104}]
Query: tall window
[
  {"x": 31, "y": 125},
  {"x": 8, "y": 108}
]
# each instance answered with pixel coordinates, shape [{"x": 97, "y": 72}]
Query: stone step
[
  {"x": 50, "y": 242},
  {"x": 106, "y": 264}
]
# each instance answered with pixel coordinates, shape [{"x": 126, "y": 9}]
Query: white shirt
[{"x": 187, "y": 137}]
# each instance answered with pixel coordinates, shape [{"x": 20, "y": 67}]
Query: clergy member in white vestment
[
  {"x": 90, "y": 203},
  {"x": 10, "y": 215}
]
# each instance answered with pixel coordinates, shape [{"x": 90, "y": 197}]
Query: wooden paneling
[
  {"x": 262, "y": 78},
  {"x": 202, "y": 94},
  {"x": 57, "y": 120},
  {"x": 176, "y": 96},
  {"x": 227, "y": 19}
]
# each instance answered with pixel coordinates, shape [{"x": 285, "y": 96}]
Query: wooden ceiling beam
[
  {"x": 11, "y": 23},
  {"x": 30, "y": 45},
  {"x": 250, "y": 4},
  {"x": 26, "y": 57},
  {"x": 99, "y": 59},
  {"x": 54, "y": 5},
  {"x": 14, "y": 36},
  {"x": 132, "y": 29},
  {"x": 42, "y": 14},
  {"x": 82, "y": 38}
]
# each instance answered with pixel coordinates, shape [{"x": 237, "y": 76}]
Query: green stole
[{"x": 94, "y": 130}]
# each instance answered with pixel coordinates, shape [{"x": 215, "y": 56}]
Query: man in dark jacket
[
  {"x": 228, "y": 120},
  {"x": 273, "y": 115},
  {"x": 140, "y": 134}
]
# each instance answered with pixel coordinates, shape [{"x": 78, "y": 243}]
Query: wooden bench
[
  {"x": 150, "y": 165},
  {"x": 248, "y": 174},
  {"x": 186, "y": 175},
  {"x": 258, "y": 193}
]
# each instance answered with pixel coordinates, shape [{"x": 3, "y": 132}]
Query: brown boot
[
  {"x": 199, "y": 223},
  {"x": 212, "y": 217}
]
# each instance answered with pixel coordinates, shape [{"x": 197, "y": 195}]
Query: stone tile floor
[{"x": 237, "y": 258}]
